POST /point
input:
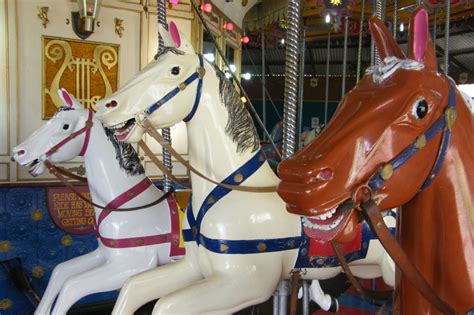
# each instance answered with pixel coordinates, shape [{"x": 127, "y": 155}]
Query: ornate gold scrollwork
[
  {"x": 43, "y": 15},
  {"x": 119, "y": 28},
  {"x": 83, "y": 70}
]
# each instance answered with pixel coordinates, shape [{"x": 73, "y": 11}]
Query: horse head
[
  {"x": 60, "y": 139},
  {"x": 388, "y": 110},
  {"x": 163, "y": 92}
]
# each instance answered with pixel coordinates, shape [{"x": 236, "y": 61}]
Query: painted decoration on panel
[
  {"x": 88, "y": 70},
  {"x": 70, "y": 213}
]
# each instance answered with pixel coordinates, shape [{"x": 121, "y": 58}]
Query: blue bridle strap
[
  {"x": 442, "y": 123},
  {"x": 233, "y": 246},
  {"x": 198, "y": 75}
]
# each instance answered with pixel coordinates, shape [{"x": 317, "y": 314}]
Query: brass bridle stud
[{"x": 387, "y": 171}]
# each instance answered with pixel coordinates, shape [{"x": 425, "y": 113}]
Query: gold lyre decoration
[
  {"x": 119, "y": 28},
  {"x": 43, "y": 15},
  {"x": 88, "y": 70}
]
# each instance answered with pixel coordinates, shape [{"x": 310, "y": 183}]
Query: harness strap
[
  {"x": 445, "y": 123},
  {"x": 124, "y": 198},
  {"x": 153, "y": 133},
  {"x": 88, "y": 125},
  {"x": 371, "y": 213},
  {"x": 199, "y": 74},
  {"x": 160, "y": 165},
  {"x": 371, "y": 294},
  {"x": 71, "y": 175},
  {"x": 198, "y": 91},
  {"x": 233, "y": 246},
  {"x": 53, "y": 170}
]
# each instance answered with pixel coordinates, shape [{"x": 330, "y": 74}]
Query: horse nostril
[
  {"x": 21, "y": 152},
  {"x": 112, "y": 103},
  {"x": 325, "y": 174}
]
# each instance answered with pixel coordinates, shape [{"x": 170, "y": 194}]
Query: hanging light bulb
[
  {"x": 328, "y": 18},
  {"x": 282, "y": 41},
  {"x": 246, "y": 76},
  {"x": 245, "y": 39},
  {"x": 402, "y": 27},
  {"x": 232, "y": 68},
  {"x": 229, "y": 26},
  {"x": 206, "y": 7},
  {"x": 174, "y": 1}
]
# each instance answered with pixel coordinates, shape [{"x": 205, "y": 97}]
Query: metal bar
[
  {"x": 283, "y": 292},
  {"x": 301, "y": 87},
  {"x": 264, "y": 108},
  {"x": 161, "y": 18},
  {"x": 359, "y": 52},
  {"x": 344, "y": 59},
  {"x": 446, "y": 37},
  {"x": 266, "y": 90},
  {"x": 291, "y": 77},
  {"x": 326, "y": 99},
  {"x": 395, "y": 19},
  {"x": 241, "y": 88},
  {"x": 379, "y": 12},
  {"x": 305, "y": 297}
]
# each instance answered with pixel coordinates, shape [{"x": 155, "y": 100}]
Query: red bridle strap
[{"x": 87, "y": 129}]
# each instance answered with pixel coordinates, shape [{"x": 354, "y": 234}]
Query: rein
[
  {"x": 141, "y": 119},
  {"x": 153, "y": 133},
  {"x": 128, "y": 194},
  {"x": 60, "y": 173},
  {"x": 371, "y": 212}
]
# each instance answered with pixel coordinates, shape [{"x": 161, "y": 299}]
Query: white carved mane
[{"x": 391, "y": 64}]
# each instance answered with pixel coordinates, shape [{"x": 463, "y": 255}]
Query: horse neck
[
  {"x": 106, "y": 179},
  {"x": 437, "y": 226},
  {"x": 210, "y": 149}
]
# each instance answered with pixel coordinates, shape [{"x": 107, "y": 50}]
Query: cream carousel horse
[
  {"x": 129, "y": 242},
  {"x": 239, "y": 245}
]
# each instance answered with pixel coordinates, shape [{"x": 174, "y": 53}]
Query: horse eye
[
  {"x": 65, "y": 127},
  {"x": 421, "y": 109},
  {"x": 175, "y": 70}
]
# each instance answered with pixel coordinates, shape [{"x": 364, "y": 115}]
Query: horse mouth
[
  {"x": 124, "y": 129},
  {"x": 328, "y": 225},
  {"x": 33, "y": 167}
]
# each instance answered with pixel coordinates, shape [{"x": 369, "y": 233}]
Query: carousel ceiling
[{"x": 272, "y": 24}]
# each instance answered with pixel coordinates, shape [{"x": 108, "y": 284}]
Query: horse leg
[
  {"x": 224, "y": 292},
  {"x": 62, "y": 272},
  {"x": 155, "y": 283},
  {"x": 107, "y": 277}
]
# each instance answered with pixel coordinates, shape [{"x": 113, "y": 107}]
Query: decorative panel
[
  {"x": 4, "y": 172},
  {"x": 27, "y": 232},
  {"x": 88, "y": 70},
  {"x": 4, "y": 121}
]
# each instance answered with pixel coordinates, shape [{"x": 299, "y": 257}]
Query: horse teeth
[{"x": 333, "y": 210}]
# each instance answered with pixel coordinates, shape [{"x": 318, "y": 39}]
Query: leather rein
[
  {"x": 141, "y": 119},
  {"x": 362, "y": 201},
  {"x": 61, "y": 174}
]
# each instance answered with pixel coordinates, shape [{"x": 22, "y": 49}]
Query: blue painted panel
[{"x": 27, "y": 232}]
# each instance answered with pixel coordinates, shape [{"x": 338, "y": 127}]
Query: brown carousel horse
[{"x": 403, "y": 136}]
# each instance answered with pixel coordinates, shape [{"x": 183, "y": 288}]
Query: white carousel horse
[
  {"x": 129, "y": 242},
  {"x": 239, "y": 245}
]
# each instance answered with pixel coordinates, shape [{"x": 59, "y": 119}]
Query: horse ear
[
  {"x": 181, "y": 41},
  {"x": 385, "y": 43},
  {"x": 69, "y": 100},
  {"x": 420, "y": 47},
  {"x": 166, "y": 36}
]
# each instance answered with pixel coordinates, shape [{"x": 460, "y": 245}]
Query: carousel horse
[
  {"x": 239, "y": 245},
  {"x": 403, "y": 135},
  {"x": 128, "y": 241}
]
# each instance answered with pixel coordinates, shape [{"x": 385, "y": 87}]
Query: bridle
[
  {"x": 197, "y": 75},
  {"x": 362, "y": 200},
  {"x": 443, "y": 123},
  {"x": 87, "y": 129},
  {"x": 142, "y": 120},
  {"x": 60, "y": 173}
]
